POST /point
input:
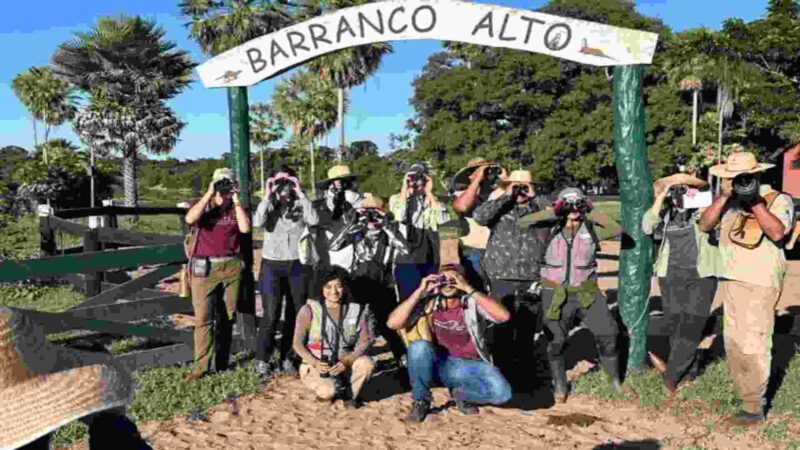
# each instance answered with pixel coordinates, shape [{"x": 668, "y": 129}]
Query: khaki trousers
[
  {"x": 226, "y": 275},
  {"x": 749, "y": 317},
  {"x": 359, "y": 374}
]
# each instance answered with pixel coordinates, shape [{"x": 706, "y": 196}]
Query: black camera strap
[{"x": 338, "y": 327}]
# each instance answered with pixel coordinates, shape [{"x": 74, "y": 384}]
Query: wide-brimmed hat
[
  {"x": 738, "y": 163},
  {"x": 223, "y": 173},
  {"x": 678, "y": 179},
  {"x": 340, "y": 172},
  {"x": 518, "y": 177},
  {"x": 462, "y": 176},
  {"x": 370, "y": 201},
  {"x": 44, "y": 387}
]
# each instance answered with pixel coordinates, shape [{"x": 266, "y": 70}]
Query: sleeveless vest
[
  {"x": 570, "y": 263},
  {"x": 350, "y": 328}
]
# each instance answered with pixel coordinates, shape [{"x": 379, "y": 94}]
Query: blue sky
[{"x": 30, "y": 32}]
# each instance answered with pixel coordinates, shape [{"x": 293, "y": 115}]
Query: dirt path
[{"x": 286, "y": 416}]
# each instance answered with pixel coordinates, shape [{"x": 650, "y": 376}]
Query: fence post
[
  {"x": 92, "y": 280},
  {"x": 111, "y": 222},
  {"x": 47, "y": 238}
]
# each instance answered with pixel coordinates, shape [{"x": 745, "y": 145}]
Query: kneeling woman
[{"x": 331, "y": 337}]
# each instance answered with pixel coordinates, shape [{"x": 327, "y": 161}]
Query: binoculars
[
  {"x": 223, "y": 186},
  {"x": 520, "y": 190},
  {"x": 417, "y": 180}
]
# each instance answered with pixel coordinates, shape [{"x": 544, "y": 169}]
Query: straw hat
[
  {"x": 340, "y": 172},
  {"x": 43, "y": 386},
  {"x": 462, "y": 176},
  {"x": 678, "y": 179},
  {"x": 518, "y": 177},
  {"x": 737, "y": 164},
  {"x": 220, "y": 174},
  {"x": 370, "y": 201}
]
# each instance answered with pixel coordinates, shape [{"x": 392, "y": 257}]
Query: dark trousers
[
  {"x": 381, "y": 299},
  {"x": 107, "y": 429},
  {"x": 512, "y": 342},
  {"x": 279, "y": 280},
  {"x": 471, "y": 261},
  {"x": 596, "y": 317},
  {"x": 687, "y": 301},
  {"x": 408, "y": 276}
]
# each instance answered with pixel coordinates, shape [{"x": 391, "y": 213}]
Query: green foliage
[
  {"x": 599, "y": 384},
  {"x": 49, "y": 99},
  {"x": 164, "y": 392},
  {"x": 715, "y": 388},
  {"x": 776, "y": 431},
  {"x": 40, "y": 298},
  {"x": 307, "y": 103}
]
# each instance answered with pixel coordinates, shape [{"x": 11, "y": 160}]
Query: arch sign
[{"x": 447, "y": 20}]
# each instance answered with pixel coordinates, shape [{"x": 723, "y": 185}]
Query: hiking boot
[
  {"x": 745, "y": 418},
  {"x": 672, "y": 387},
  {"x": 559, "y": 375},
  {"x": 288, "y": 368},
  {"x": 263, "y": 370},
  {"x": 419, "y": 410}
]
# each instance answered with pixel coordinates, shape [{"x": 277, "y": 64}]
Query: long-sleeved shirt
[
  {"x": 282, "y": 231},
  {"x": 512, "y": 253},
  {"x": 418, "y": 227}
]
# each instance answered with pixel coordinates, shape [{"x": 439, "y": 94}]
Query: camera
[
  {"x": 224, "y": 186},
  {"x": 520, "y": 190},
  {"x": 746, "y": 185},
  {"x": 327, "y": 360}
]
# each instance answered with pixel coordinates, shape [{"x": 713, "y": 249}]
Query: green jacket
[{"x": 707, "y": 254}]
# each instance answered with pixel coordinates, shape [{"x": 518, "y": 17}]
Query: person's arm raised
[
  {"x": 466, "y": 200},
  {"x": 398, "y": 317},
  {"x": 494, "y": 310},
  {"x": 710, "y": 217},
  {"x": 241, "y": 217},
  {"x": 196, "y": 211}
]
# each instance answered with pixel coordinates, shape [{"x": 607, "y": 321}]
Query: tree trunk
[
  {"x": 340, "y": 152},
  {"x": 694, "y": 116},
  {"x": 35, "y": 133},
  {"x": 313, "y": 179},
  {"x": 129, "y": 181}
]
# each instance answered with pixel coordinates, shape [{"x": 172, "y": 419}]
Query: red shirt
[
  {"x": 219, "y": 233},
  {"x": 451, "y": 332}
]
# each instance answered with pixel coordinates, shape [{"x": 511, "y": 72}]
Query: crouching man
[{"x": 442, "y": 323}]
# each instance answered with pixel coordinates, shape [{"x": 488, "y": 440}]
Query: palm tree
[
  {"x": 265, "y": 128},
  {"x": 348, "y": 68},
  {"x": 309, "y": 104},
  {"x": 222, "y": 25},
  {"x": 129, "y": 70},
  {"x": 49, "y": 99}
]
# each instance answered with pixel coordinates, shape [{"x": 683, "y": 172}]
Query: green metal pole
[
  {"x": 239, "y": 161},
  {"x": 636, "y": 195}
]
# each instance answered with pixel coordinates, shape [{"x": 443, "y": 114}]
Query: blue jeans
[
  {"x": 408, "y": 276},
  {"x": 479, "y": 381}
]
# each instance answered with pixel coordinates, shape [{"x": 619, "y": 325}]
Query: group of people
[{"x": 461, "y": 300}]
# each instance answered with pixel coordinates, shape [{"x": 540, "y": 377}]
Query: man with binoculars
[
  {"x": 419, "y": 214},
  {"x": 473, "y": 185},
  {"x": 752, "y": 221},
  {"x": 512, "y": 264}
]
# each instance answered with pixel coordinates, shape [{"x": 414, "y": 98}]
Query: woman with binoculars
[
  {"x": 685, "y": 268},
  {"x": 569, "y": 282},
  {"x": 332, "y": 337}
]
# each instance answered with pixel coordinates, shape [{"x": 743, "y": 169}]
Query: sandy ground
[{"x": 286, "y": 416}]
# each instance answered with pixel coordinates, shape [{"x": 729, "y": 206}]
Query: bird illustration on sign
[
  {"x": 586, "y": 50},
  {"x": 230, "y": 75}
]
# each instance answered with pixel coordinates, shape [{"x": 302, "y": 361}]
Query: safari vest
[
  {"x": 746, "y": 232},
  {"x": 570, "y": 263},
  {"x": 350, "y": 329}
]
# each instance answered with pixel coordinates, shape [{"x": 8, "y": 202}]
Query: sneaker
[
  {"x": 419, "y": 410},
  {"x": 747, "y": 418},
  {"x": 463, "y": 406}
]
